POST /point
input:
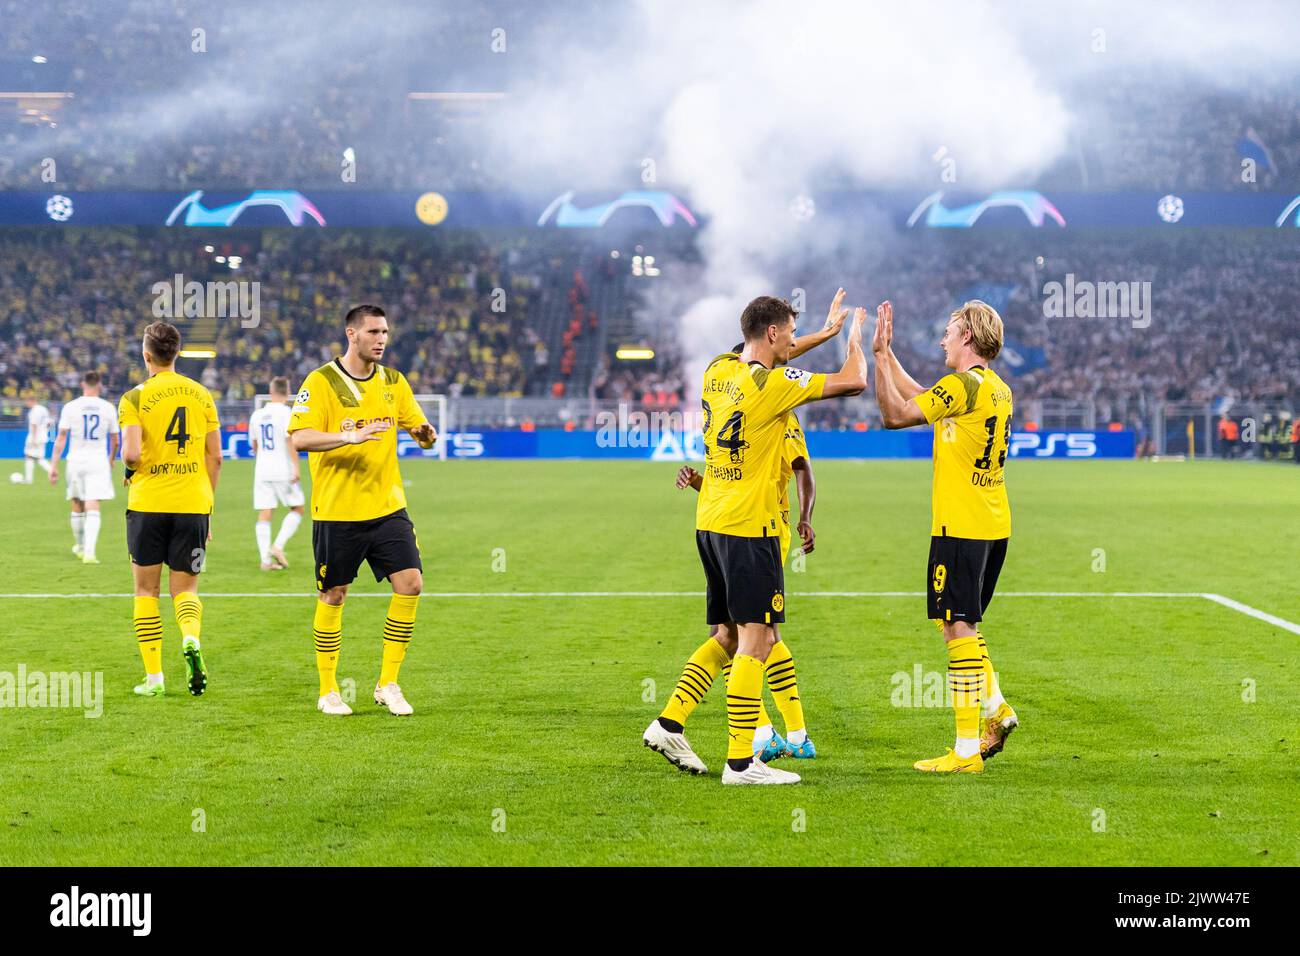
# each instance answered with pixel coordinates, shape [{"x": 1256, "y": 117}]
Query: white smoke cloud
[{"x": 752, "y": 105}]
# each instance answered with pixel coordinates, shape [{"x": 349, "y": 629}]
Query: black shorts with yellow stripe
[
  {"x": 165, "y": 537},
  {"x": 962, "y": 575},
  {"x": 746, "y": 582},
  {"x": 387, "y": 544}
]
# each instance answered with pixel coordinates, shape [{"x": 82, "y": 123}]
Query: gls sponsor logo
[
  {"x": 1046, "y": 445},
  {"x": 103, "y": 909}
]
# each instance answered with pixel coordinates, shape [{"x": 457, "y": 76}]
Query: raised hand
[
  {"x": 855, "y": 330},
  {"x": 884, "y": 336},
  {"x": 836, "y": 316}
]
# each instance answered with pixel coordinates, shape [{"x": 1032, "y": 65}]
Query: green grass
[{"x": 534, "y": 705}]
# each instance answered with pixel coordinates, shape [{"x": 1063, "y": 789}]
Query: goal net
[{"x": 433, "y": 404}]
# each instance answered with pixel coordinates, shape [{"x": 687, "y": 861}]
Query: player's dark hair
[
  {"x": 279, "y": 385},
  {"x": 738, "y": 347},
  {"x": 764, "y": 311},
  {"x": 90, "y": 379},
  {"x": 360, "y": 313},
  {"x": 162, "y": 342}
]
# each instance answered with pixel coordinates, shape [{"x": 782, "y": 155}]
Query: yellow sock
[
  {"x": 992, "y": 692},
  {"x": 744, "y": 703},
  {"x": 148, "y": 632},
  {"x": 397, "y": 634},
  {"x": 701, "y": 669},
  {"x": 966, "y": 684},
  {"x": 189, "y": 615},
  {"x": 784, "y": 687},
  {"x": 327, "y": 630},
  {"x": 764, "y": 718}
]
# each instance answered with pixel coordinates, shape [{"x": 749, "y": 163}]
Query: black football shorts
[
  {"x": 962, "y": 575},
  {"x": 157, "y": 537},
  {"x": 746, "y": 582},
  {"x": 387, "y": 544}
]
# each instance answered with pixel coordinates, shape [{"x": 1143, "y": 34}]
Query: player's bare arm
[
  {"x": 834, "y": 322},
  {"x": 908, "y": 386},
  {"x": 131, "y": 446},
  {"x": 59, "y": 444},
  {"x": 114, "y": 444},
  {"x": 311, "y": 439},
  {"x": 896, "y": 410},
  {"x": 212, "y": 457},
  {"x": 806, "y": 487},
  {"x": 851, "y": 379}
]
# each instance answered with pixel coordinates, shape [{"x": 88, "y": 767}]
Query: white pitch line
[
  {"x": 1253, "y": 612},
  {"x": 621, "y": 594},
  {"x": 281, "y": 595}
]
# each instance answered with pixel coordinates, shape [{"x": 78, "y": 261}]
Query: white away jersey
[
  {"x": 268, "y": 426},
  {"x": 89, "y": 422},
  {"x": 38, "y": 429}
]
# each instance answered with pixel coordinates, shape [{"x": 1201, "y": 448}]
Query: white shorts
[
  {"x": 90, "y": 481},
  {"x": 267, "y": 494},
  {"x": 33, "y": 451}
]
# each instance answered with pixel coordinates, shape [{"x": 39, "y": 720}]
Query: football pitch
[{"x": 1158, "y": 726}]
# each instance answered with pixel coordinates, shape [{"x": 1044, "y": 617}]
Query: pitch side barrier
[{"x": 688, "y": 446}]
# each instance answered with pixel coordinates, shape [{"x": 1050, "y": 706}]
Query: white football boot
[
  {"x": 674, "y": 748},
  {"x": 758, "y": 772},
  {"x": 390, "y": 696},
  {"x": 332, "y": 704}
]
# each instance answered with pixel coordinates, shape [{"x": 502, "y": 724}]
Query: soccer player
[
  {"x": 275, "y": 475},
  {"x": 703, "y": 665},
  {"x": 344, "y": 417},
  {"x": 746, "y": 402},
  {"x": 171, "y": 446},
  {"x": 83, "y": 424},
  {"x": 971, "y": 516},
  {"x": 38, "y": 434},
  {"x": 779, "y": 669}
]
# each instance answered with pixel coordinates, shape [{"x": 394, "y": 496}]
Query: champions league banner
[
  {"x": 688, "y": 446},
  {"x": 634, "y": 208}
]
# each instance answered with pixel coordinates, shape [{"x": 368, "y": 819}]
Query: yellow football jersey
[
  {"x": 175, "y": 415},
  {"x": 792, "y": 448},
  {"x": 971, "y": 414},
  {"x": 746, "y": 407},
  {"x": 355, "y": 482}
]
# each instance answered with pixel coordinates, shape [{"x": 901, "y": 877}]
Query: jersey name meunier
[
  {"x": 746, "y": 407},
  {"x": 269, "y": 428},
  {"x": 355, "y": 482},
  {"x": 971, "y": 414},
  {"x": 175, "y": 415},
  {"x": 88, "y": 420}
]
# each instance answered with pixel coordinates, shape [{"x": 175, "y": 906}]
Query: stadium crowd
[
  {"x": 77, "y": 299},
  {"x": 222, "y": 121},
  {"x": 1220, "y": 327}
]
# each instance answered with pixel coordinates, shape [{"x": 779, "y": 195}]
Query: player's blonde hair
[{"x": 984, "y": 324}]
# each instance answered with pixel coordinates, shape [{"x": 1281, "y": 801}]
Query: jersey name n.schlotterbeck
[
  {"x": 746, "y": 409},
  {"x": 175, "y": 415},
  {"x": 356, "y": 482},
  {"x": 971, "y": 414}
]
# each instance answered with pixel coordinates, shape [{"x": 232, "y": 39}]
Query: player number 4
[{"x": 176, "y": 430}]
